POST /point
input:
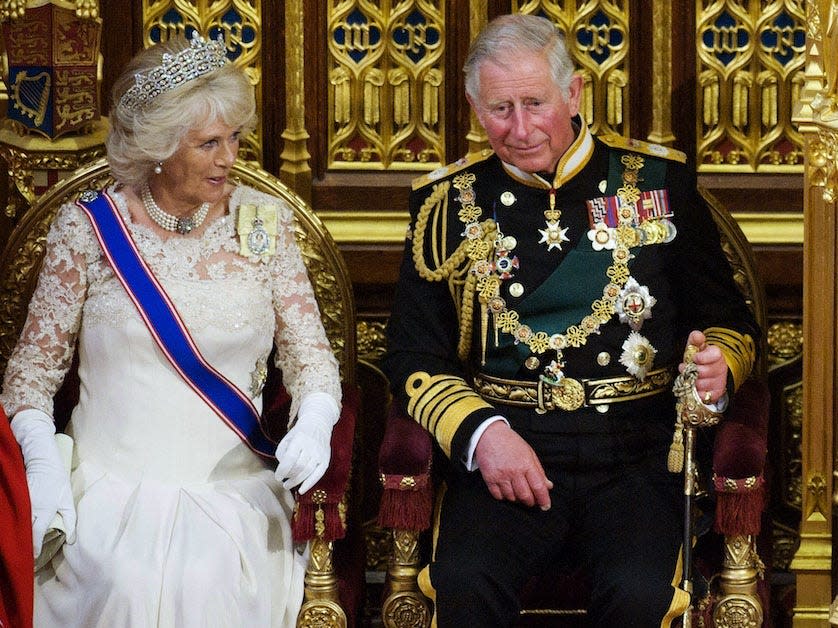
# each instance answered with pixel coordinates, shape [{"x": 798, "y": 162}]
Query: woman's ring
[{"x": 707, "y": 396}]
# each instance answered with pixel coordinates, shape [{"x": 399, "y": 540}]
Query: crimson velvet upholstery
[{"x": 321, "y": 507}]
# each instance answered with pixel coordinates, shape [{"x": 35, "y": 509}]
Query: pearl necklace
[{"x": 169, "y": 222}]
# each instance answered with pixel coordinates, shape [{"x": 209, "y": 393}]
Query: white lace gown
[{"x": 179, "y": 523}]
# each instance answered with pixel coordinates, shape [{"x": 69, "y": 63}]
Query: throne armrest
[
  {"x": 404, "y": 463},
  {"x": 320, "y": 512},
  {"x": 739, "y": 454}
]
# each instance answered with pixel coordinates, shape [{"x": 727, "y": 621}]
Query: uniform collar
[{"x": 575, "y": 158}]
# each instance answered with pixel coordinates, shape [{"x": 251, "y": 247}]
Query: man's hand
[
  {"x": 711, "y": 383},
  {"x": 510, "y": 467}
]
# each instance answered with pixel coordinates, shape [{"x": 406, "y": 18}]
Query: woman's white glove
[
  {"x": 304, "y": 452},
  {"x": 46, "y": 475}
]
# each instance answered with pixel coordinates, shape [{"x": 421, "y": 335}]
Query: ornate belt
[{"x": 571, "y": 394}]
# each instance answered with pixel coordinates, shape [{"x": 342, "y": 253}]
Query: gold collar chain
[{"x": 488, "y": 285}]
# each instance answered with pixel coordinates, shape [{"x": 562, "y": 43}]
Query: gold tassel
[
  {"x": 484, "y": 329},
  {"x": 675, "y": 460}
]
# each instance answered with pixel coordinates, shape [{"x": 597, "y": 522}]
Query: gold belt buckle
[{"x": 568, "y": 394}]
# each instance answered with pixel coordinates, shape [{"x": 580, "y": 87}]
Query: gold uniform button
[
  {"x": 516, "y": 289},
  {"x": 603, "y": 359},
  {"x": 532, "y": 363}
]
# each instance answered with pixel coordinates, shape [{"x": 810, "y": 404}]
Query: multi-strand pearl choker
[{"x": 169, "y": 222}]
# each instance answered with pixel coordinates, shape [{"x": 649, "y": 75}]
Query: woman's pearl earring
[{"x": 158, "y": 168}]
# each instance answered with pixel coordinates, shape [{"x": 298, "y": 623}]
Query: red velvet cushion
[
  {"x": 742, "y": 436},
  {"x": 16, "y": 561},
  {"x": 404, "y": 462},
  {"x": 739, "y": 455},
  {"x": 406, "y": 448},
  {"x": 331, "y": 489}
]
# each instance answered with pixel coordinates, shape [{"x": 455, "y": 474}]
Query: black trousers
[{"x": 616, "y": 509}]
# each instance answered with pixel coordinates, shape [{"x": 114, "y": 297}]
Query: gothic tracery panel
[
  {"x": 749, "y": 74},
  {"x": 386, "y": 84}
]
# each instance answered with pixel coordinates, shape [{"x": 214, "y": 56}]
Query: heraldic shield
[{"x": 52, "y": 70}]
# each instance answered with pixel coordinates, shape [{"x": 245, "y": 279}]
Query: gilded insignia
[
  {"x": 568, "y": 394},
  {"x": 553, "y": 236},
  {"x": 257, "y": 228},
  {"x": 638, "y": 355},
  {"x": 634, "y": 305},
  {"x": 473, "y": 231},
  {"x": 259, "y": 376},
  {"x": 602, "y": 237},
  {"x": 553, "y": 373}
]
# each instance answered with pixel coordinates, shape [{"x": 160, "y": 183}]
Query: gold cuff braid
[
  {"x": 738, "y": 350},
  {"x": 440, "y": 403}
]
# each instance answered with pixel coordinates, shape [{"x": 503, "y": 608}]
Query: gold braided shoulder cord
[
  {"x": 467, "y": 316},
  {"x": 447, "y": 268},
  {"x": 453, "y": 268}
]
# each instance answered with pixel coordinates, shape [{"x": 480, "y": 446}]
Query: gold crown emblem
[{"x": 202, "y": 57}]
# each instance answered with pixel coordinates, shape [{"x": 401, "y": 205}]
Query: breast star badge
[{"x": 553, "y": 236}]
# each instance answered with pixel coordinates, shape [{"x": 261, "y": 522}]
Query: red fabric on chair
[
  {"x": 404, "y": 462},
  {"x": 329, "y": 494},
  {"x": 739, "y": 455},
  {"x": 17, "y": 566},
  {"x": 741, "y": 438},
  {"x": 330, "y": 491}
]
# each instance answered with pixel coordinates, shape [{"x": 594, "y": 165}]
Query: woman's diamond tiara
[{"x": 202, "y": 56}]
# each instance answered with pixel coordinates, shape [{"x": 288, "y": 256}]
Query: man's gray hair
[{"x": 514, "y": 34}]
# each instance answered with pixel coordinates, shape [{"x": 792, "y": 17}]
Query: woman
[{"x": 176, "y": 284}]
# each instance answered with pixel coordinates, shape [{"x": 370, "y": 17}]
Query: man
[{"x": 548, "y": 292}]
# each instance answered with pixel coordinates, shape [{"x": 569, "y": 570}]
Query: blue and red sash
[{"x": 167, "y": 328}]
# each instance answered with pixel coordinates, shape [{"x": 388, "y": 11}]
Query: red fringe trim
[
  {"x": 740, "y": 513},
  {"x": 306, "y": 516},
  {"x": 406, "y": 509}
]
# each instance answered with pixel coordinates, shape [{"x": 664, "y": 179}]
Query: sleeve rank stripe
[
  {"x": 440, "y": 403},
  {"x": 738, "y": 349}
]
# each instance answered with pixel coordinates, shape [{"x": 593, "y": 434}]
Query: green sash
[{"x": 565, "y": 297}]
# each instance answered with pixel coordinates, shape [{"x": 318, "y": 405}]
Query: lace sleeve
[
  {"x": 303, "y": 351},
  {"x": 43, "y": 353}
]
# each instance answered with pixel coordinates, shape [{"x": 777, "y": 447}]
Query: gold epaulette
[
  {"x": 444, "y": 171},
  {"x": 639, "y": 146}
]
